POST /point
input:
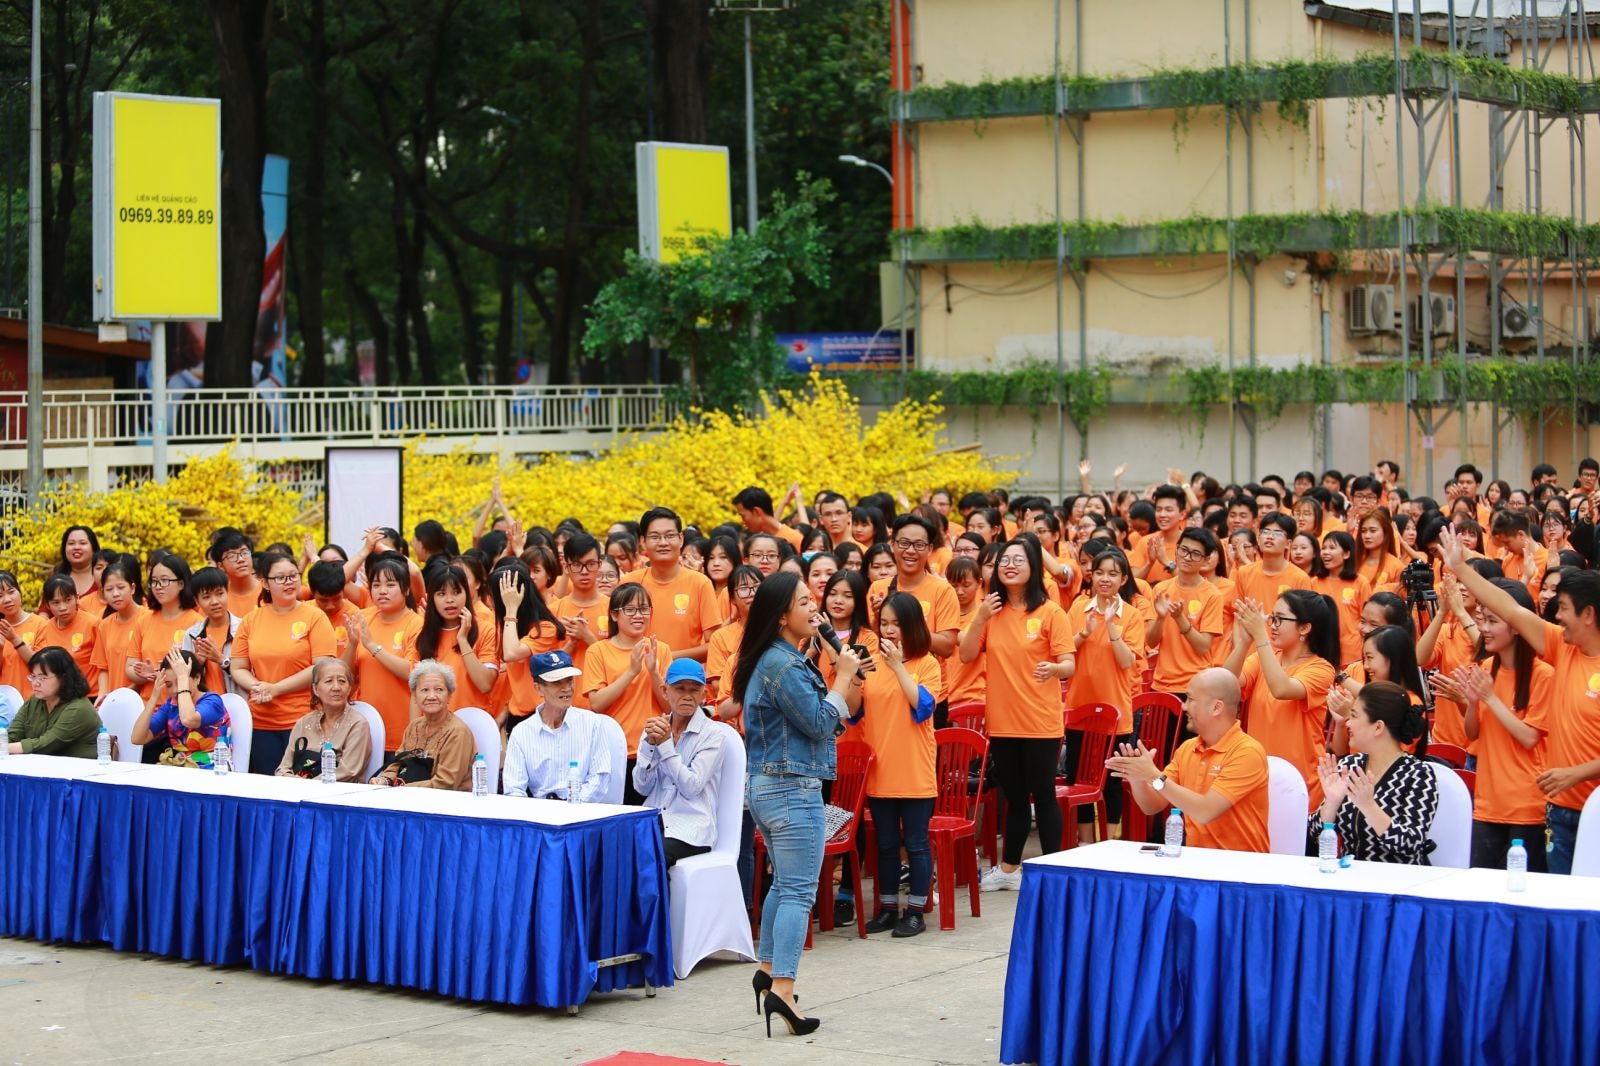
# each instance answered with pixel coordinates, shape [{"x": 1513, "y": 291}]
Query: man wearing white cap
[
  {"x": 680, "y": 761},
  {"x": 543, "y": 748}
]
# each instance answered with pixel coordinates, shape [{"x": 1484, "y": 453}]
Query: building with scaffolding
[{"x": 1293, "y": 235}]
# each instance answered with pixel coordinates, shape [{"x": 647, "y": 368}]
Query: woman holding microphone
[{"x": 790, "y": 721}]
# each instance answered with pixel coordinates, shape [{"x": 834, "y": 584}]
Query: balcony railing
[{"x": 117, "y": 417}]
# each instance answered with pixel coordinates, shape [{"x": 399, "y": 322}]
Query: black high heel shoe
[
  {"x": 798, "y": 1026},
  {"x": 761, "y": 981}
]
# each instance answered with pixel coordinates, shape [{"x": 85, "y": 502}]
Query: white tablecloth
[
  {"x": 65, "y": 767},
  {"x": 466, "y": 805},
  {"x": 1544, "y": 891}
]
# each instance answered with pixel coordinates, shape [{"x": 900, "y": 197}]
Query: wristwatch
[
  {"x": 1159, "y": 783},
  {"x": 1171, "y": 566}
]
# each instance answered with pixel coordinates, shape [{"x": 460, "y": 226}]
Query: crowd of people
[{"x": 1339, "y": 622}]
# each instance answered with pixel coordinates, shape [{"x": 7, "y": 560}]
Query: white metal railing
[{"x": 113, "y": 417}]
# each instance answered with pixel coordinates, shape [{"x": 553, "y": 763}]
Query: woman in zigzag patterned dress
[{"x": 1381, "y": 800}]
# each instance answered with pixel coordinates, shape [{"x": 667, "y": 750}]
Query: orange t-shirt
[
  {"x": 866, "y": 638},
  {"x": 940, "y": 608},
  {"x": 683, "y": 611},
  {"x": 1350, "y": 596},
  {"x": 1098, "y": 678},
  {"x": 155, "y": 636},
  {"x": 597, "y": 614},
  {"x": 1291, "y": 729},
  {"x": 278, "y": 645},
  {"x": 722, "y": 659},
  {"x": 1014, "y": 642},
  {"x": 605, "y": 663},
  {"x": 1574, "y": 713},
  {"x": 13, "y": 671},
  {"x": 1252, "y": 582},
  {"x": 1453, "y": 648},
  {"x": 1383, "y": 573},
  {"x": 515, "y": 687},
  {"x": 1142, "y": 553},
  {"x": 77, "y": 638},
  {"x": 113, "y": 645},
  {"x": 218, "y": 635},
  {"x": 240, "y": 604},
  {"x": 1508, "y": 791},
  {"x": 1179, "y": 662},
  {"x": 389, "y": 695},
  {"x": 487, "y": 651},
  {"x": 1511, "y": 566},
  {"x": 903, "y": 750},
  {"x": 963, "y": 682},
  {"x": 1237, "y": 768}
]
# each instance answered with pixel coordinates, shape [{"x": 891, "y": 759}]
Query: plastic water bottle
[
  {"x": 102, "y": 747},
  {"x": 330, "y": 763},
  {"x": 222, "y": 755},
  {"x": 1173, "y": 845},
  {"x": 1516, "y": 867},
  {"x": 5, "y": 741},
  {"x": 480, "y": 775},
  {"x": 574, "y": 780},
  {"x": 1328, "y": 849}
]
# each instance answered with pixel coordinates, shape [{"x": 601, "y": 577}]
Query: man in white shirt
[
  {"x": 680, "y": 761},
  {"x": 543, "y": 749}
]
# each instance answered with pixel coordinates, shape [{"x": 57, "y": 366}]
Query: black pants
[
  {"x": 266, "y": 749},
  {"x": 1113, "y": 789},
  {"x": 1025, "y": 769},
  {"x": 677, "y": 849},
  {"x": 630, "y": 795},
  {"x": 1491, "y": 839}
]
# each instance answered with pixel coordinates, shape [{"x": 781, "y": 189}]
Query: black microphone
[{"x": 825, "y": 631}]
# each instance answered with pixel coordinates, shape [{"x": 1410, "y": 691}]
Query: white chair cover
[
  {"x": 1451, "y": 832},
  {"x": 118, "y": 711},
  {"x": 486, "y": 739},
  {"x": 705, "y": 899},
  {"x": 1288, "y": 805}
]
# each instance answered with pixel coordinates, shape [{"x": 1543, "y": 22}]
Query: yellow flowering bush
[
  {"x": 212, "y": 491},
  {"x": 815, "y": 436}
]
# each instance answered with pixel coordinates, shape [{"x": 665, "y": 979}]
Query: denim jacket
[{"x": 790, "y": 717}]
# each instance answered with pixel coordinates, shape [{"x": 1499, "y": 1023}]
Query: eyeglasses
[
  {"x": 634, "y": 611},
  {"x": 918, "y": 546},
  {"x": 162, "y": 582},
  {"x": 1276, "y": 620},
  {"x": 39, "y": 678},
  {"x": 1365, "y": 497},
  {"x": 237, "y": 555},
  {"x": 280, "y": 579},
  {"x": 584, "y": 568},
  {"x": 661, "y": 538},
  {"x": 745, "y": 592},
  {"x": 763, "y": 557},
  {"x": 1191, "y": 554}
]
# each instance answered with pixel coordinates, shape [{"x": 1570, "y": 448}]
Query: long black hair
[
  {"x": 1400, "y": 648},
  {"x": 532, "y": 610},
  {"x": 1522, "y": 653},
  {"x": 397, "y": 567},
  {"x": 1129, "y": 588},
  {"x": 915, "y": 640},
  {"x": 1347, "y": 544},
  {"x": 440, "y": 577},
  {"x": 1033, "y": 593},
  {"x": 859, "y": 619},
  {"x": 126, "y": 567},
  {"x": 774, "y": 597},
  {"x": 1318, "y": 611},
  {"x": 180, "y": 571}
]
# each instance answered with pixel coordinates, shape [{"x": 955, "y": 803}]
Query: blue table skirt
[
  {"x": 1109, "y": 967},
  {"x": 197, "y": 877},
  {"x": 495, "y": 911},
  {"x": 40, "y": 897}
]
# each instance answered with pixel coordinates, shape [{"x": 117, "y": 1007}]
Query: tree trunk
[
  {"x": 471, "y": 333},
  {"x": 682, "y": 31},
  {"x": 569, "y": 276},
  {"x": 505, "y": 328},
  {"x": 309, "y": 254},
  {"x": 367, "y": 307},
  {"x": 242, "y": 30}
]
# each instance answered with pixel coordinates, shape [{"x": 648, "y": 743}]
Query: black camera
[{"x": 1417, "y": 580}]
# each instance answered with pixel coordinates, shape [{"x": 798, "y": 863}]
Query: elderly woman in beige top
[
  {"x": 434, "y": 733},
  {"x": 330, "y": 719}
]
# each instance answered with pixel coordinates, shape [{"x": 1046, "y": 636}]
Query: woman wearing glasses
[
  {"x": 172, "y": 612},
  {"x": 273, "y": 652},
  {"x": 624, "y": 676},
  {"x": 59, "y": 719}
]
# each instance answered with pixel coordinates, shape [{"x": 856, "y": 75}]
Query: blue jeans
[
  {"x": 788, "y": 811},
  {"x": 902, "y": 821},
  {"x": 1563, "y": 825}
]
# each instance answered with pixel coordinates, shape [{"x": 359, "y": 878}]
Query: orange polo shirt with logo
[
  {"x": 1179, "y": 662},
  {"x": 389, "y": 695},
  {"x": 1237, "y": 768},
  {"x": 155, "y": 637},
  {"x": 605, "y": 663},
  {"x": 683, "y": 611},
  {"x": 278, "y": 646},
  {"x": 1013, "y": 643},
  {"x": 1574, "y": 713},
  {"x": 77, "y": 638},
  {"x": 1291, "y": 729},
  {"x": 1098, "y": 678},
  {"x": 1508, "y": 789},
  {"x": 903, "y": 750},
  {"x": 113, "y": 644}
]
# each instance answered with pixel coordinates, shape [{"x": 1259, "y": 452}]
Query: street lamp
[
  {"x": 857, "y": 161},
  {"x": 35, "y": 275}
]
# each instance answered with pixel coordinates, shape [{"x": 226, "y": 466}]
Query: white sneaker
[{"x": 997, "y": 880}]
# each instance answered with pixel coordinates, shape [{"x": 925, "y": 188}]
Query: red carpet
[{"x": 639, "y": 1058}]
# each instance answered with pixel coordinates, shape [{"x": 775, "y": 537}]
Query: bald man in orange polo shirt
[{"x": 1218, "y": 779}]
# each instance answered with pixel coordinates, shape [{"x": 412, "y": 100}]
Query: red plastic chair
[
  {"x": 1454, "y": 754},
  {"x": 1158, "y": 714},
  {"x": 1097, "y": 722},
  {"x": 974, "y": 716},
  {"x": 956, "y": 814},
  {"x": 1468, "y": 778},
  {"x": 850, "y": 792}
]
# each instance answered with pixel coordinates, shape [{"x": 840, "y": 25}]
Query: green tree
[{"x": 714, "y": 311}]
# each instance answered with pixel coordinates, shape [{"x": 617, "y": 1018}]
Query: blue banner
[{"x": 845, "y": 351}]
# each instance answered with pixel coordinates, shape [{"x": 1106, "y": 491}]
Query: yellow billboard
[
  {"x": 157, "y": 207},
  {"x": 684, "y": 196}
]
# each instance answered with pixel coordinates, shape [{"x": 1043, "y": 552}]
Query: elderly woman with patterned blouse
[
  {"x": 436, "y": 750},
  {"x": 1381, "y": 800}
]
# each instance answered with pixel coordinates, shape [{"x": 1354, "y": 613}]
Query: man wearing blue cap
[
  {"x": 544, "y": 747},
  {"x": 680, "y": 762}
]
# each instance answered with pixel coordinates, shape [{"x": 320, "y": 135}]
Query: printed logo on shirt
[
  {"x": 297, "y": 630},
  {"x": 77, "y": 641},
  {"x": 177, "y": 637},
  {"x": 339, "y": 633},
  {"x": 1194, "y": 608},
  {"x": 1348, "y": 593},
  {"x": 1034, "y": 625},
  {"x": 1282, "y": 589},
  {"x": 681, "y": 602},
  {"x": 1594, "y": 686},
  {"x": 399, "y": 641}
]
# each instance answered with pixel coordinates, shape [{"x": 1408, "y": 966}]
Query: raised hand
[
  {"x": 1335, "y": 785},
  {"x": 892, "y": 652},
  {"x": 510, "y": 591}
]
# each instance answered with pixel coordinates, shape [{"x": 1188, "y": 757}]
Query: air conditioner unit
[
  {"x": 1371, "y": 309},
  {"x": 1518, "y": 321},
  {"x": 1441, "y": 311}
]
